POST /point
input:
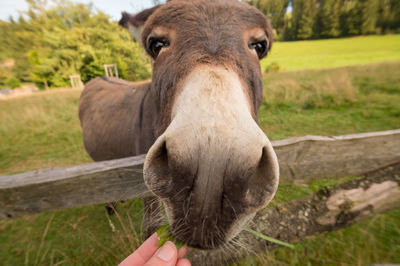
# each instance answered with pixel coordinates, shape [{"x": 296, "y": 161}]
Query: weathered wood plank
[
  {"x": 326, "y": 210},
  {"x": 300, "y": 159},
  {"x": 315, "y": 157},
  {"x": 60, "y": 188}
]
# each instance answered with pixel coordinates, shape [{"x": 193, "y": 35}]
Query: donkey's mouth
[
  {"x": 211, "y": 238},
  {"x": 205, "y": 234}
]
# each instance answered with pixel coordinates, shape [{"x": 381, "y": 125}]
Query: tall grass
[
  {"x": 346, "y": 100},
  {"x": 326, "y": 90},
  {"x": 40, "y": 131},
  {"x": 330, "y": 87},
  {"x": 79, "y": 236}
]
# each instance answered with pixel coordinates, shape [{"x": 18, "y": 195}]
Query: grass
[
  {"x": 78, "y": 236},
  {"x": 374, "y": 241},
  {"x": 364, "y": 98},
  {"x": 43, "y": 131},
  {"x": 319, "y": 54},
  {"x": 40, "y": 131}
]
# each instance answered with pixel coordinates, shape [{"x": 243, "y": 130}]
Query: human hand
[{"x": 149, "y": 254}]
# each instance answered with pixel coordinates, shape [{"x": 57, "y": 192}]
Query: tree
[
  {"x": 395, "y": 10},
  {"x": 303, "y": 18},
  {"x": 328, "y": 18},
  {"x": 350, "y": 19},
  {"x": 275, "y": 10},
  {"x": 369, "y": 15},
  {"x": 388, "y": 15},
  {"x": 65, "y": 38}
]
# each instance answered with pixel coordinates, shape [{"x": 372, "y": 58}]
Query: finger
[
  {"x": 143, "y": 253},
  {"x": 165, "y": 256},
  {"x": 183, "y": 262},
  {"x": 182, "y": 251}
]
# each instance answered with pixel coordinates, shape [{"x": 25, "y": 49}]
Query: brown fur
[
  {"x": 117, "y": 118},
  {"x": 218, "y": 41},
  {"x": 122, "y": 119}
]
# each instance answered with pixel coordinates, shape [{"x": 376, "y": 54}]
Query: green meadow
[
  {"x": 320, "y": 54},
  {"x": 43, "y": 130}
]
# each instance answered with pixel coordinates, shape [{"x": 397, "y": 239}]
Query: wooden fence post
[
  {"x": 111, "y": 70},
  {"x": 76, "y": 81}
]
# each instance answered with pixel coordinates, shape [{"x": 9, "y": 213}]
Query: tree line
[
  {"x": 315, "y": 19},
  {"x": 49, "y": 43}
]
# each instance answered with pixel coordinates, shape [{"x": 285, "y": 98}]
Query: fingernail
[{"x": 166, "y": 252}]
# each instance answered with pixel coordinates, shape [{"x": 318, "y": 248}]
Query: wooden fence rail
[{"x": 301, "y": 159}]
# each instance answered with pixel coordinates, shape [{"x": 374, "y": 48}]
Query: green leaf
[
  {"x": 270, "y": 239},
  {"x": 164, "y": 234},
  {"x": 179, "y": 244}
]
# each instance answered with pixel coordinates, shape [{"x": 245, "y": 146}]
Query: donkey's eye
[
  {"x": 261, "y": 48},
  {"x": 155, "y": 45}
]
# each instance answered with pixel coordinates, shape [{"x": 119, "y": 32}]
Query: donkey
[{"x": 208, "y": 162}]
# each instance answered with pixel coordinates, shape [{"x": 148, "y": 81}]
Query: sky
[{"x": 110, "y": 7}]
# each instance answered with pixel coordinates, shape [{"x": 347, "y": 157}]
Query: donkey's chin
[
  {"x": 206, "y": 235},
  {"x": 212, "y": 238}
]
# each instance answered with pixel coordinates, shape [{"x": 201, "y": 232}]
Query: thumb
[{"x": 165, "y": 256}]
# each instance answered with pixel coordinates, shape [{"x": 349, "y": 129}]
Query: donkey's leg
[
  {"x": 152, "y": 218},
  {"x": 110, "y": 207}
]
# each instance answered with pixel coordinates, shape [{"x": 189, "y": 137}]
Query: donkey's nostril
[
  {"x": 264, "y": 182},
  {"x": 156, "y": 171},
  {"x": 168, "y": 168},
  {"x": 160, "y": 158},
  {"x": 268, "y": 169}
]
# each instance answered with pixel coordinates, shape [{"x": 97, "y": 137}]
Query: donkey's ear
[{"x": 134, "y": 23}]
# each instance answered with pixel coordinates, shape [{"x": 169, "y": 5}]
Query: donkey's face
[{"x": 211, "y": 165}]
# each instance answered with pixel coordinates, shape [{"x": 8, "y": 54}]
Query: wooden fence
[{"x": 301, "y": 159}]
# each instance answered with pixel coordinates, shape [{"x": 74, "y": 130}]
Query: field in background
[
  {"x": 331, "y": 102},
  {"x": 40, "y": 131},
  {"x": 43, "y": 130},
  {"x": 318, "y": 54}
]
